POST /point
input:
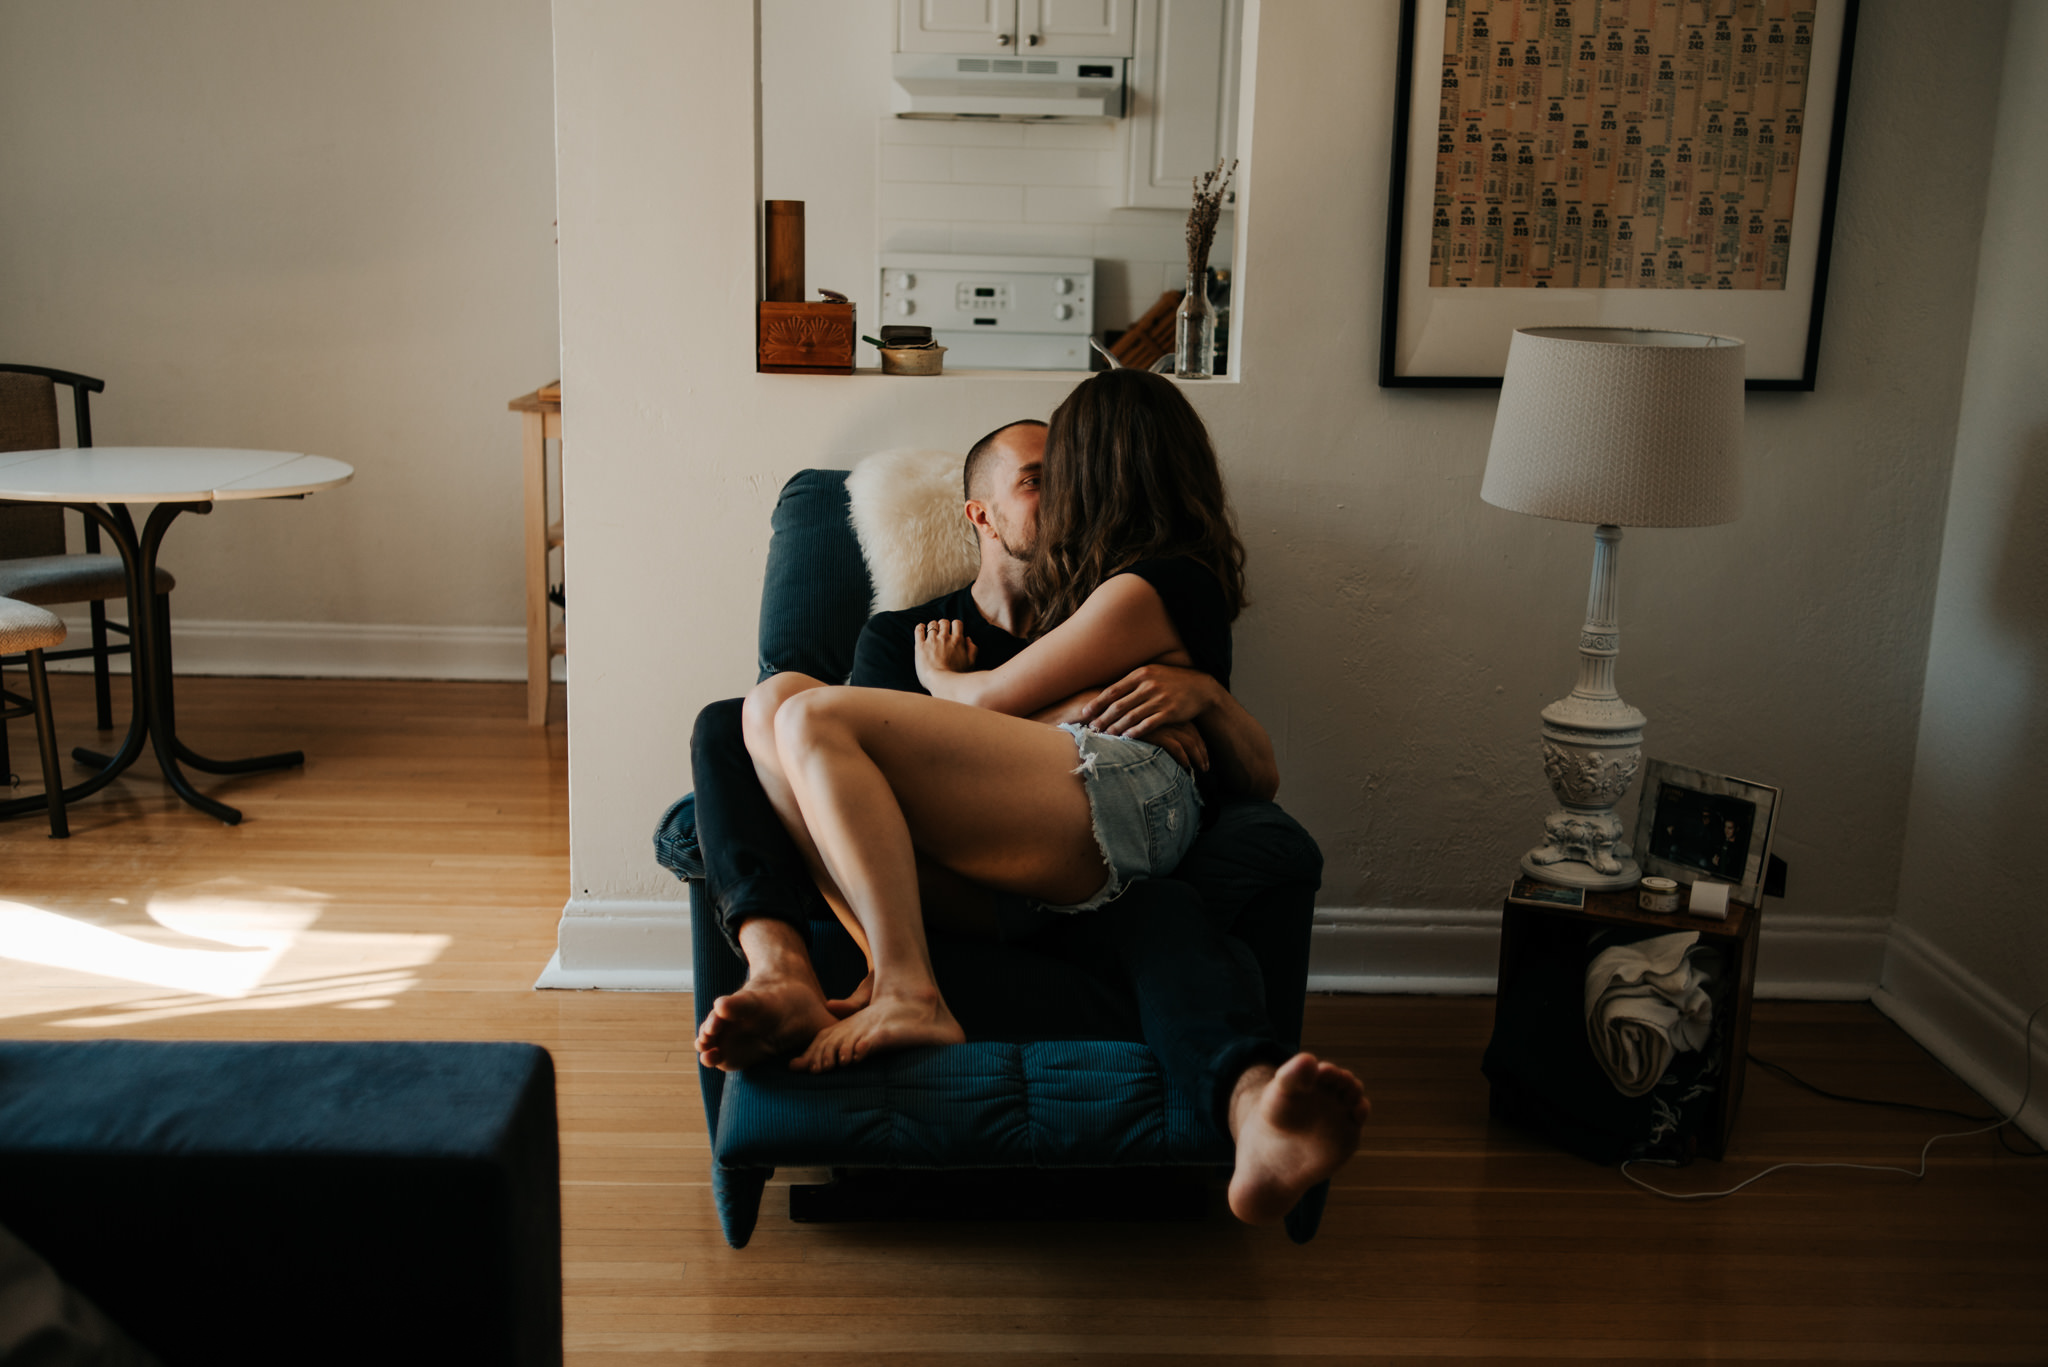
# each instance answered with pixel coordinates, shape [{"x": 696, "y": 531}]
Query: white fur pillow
[{"x": 913, "y": 534}]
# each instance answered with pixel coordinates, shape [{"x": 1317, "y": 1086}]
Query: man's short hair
[{"x": 977, "y": 454}]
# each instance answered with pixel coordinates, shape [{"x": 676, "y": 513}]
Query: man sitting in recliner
[{"x": 1294, "y": 1120}]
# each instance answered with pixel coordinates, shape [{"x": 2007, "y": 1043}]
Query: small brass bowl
[{"x": 926, "y": 360}]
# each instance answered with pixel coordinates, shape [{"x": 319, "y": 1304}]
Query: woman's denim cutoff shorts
[{"x": 1144, "y": 806}]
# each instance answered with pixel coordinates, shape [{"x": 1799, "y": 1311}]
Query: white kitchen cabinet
[
  {"x": 1031, "y": 28},
  {"x": 972, "y": 26},
  {"x": 1183, "y": 97},
  {"x": 1076, "y": 28}
]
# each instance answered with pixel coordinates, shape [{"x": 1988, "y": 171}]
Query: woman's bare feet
[
  {"x": 842, "y": 1007},
  {"x": 888, "y": 1021},
  {"x": 1294, "y": 1126}
]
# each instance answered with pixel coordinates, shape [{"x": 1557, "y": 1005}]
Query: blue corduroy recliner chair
[{"x": 1056, "y": 1074}]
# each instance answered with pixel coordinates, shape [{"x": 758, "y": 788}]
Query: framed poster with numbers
[{"x": 1612, "y": 163}]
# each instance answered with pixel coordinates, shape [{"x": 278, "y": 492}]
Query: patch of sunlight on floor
[{"x": 219, "y": 946}]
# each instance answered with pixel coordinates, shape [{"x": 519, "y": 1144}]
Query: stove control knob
[
  {"x": 906, "y": 307},
  {"x": 1062, "y": 311},
  {"x": 1062, "y": 285},
  {"x": 903, "y": 280}
]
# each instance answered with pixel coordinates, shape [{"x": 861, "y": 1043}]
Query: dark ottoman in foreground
[{"x": 303, "y": 1203}]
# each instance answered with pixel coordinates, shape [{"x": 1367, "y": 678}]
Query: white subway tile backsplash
[
  {"x": 1028, "y": 166},
  {"x": 1093, "y": 137},
  {"x": 916, "y": 236},
  {"x": 1023, "y": 239},
  {"x": 1144, "y": 234},
  {"x": 977, "y": 203},
  {"x": 1068, "y": 204},
  {"x": 1117, "y": 294},
  {"x": 1032, "y": 190},
  {"x": 902, "y": 161},
  {"x": 951, "y": 133}
]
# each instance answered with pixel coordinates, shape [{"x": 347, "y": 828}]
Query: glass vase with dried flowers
[{"x": 1194, "y": 323}]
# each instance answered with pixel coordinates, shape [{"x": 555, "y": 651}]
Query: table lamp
[{"x": 1619, "y": 427}]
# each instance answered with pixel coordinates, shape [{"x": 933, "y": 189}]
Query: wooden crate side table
[
  {"x": 1735, "y": 937},
  {"x": 540, "y": 421}
]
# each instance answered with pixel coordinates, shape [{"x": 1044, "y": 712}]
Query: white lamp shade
[{"x": 1620, "y": 426}]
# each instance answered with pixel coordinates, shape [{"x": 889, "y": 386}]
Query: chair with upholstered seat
[
  {"x": 34, "y": 567},
  {"x": 29, "y": 631},
  {"x": 1056, "y": 1102}
]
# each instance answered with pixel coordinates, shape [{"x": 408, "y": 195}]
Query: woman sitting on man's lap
[{"x": 1134, "y": 561}]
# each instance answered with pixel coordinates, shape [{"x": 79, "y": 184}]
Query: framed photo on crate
[
  {"x": 1665, "y": 164},
  {"x": 1693, "y": 825}
]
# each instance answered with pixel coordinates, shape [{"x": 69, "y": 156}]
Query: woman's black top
[{"x": 1197, "y": 608}]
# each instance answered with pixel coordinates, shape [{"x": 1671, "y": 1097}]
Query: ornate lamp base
[
  {"x": 1577, "y": 875},
  {"x": 1592, "y": 747}
]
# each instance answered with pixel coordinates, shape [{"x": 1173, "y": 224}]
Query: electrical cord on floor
[
  {"x": 2027, "y": 1042},
  {"x": 1798, "y": 1081},
  {"x": 2004, "y": 1133}
]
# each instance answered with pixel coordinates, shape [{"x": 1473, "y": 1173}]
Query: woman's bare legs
[
  {"x": 757, "y": 721},
  {"x": 877, "y": 776}
]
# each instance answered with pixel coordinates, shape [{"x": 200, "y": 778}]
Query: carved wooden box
[{"x": 806, "y": 339}]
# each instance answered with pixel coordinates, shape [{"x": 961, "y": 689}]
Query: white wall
[
  {"x": 1970, "y": 955},
  {"x": 1403, "y": 635},
  {"x": 321, "y": 228}
]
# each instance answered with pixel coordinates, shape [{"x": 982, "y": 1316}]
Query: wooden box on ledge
[{"x": 806, "y": 338}]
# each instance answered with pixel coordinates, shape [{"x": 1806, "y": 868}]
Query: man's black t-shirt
[{"x": 886, "y": 655}]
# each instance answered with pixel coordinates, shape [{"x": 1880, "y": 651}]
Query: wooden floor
[{"x": 405, "y": 884}]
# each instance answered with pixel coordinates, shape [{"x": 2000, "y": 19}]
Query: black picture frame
[{"x": 1786, "y": 364}]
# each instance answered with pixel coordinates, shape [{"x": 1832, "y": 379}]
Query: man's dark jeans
[
  {"x": 751, "y": 866},
  {"x": 1176, "y": 942}
]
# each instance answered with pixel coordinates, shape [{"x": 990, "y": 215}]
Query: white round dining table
[{"x": 102, "y": 483}]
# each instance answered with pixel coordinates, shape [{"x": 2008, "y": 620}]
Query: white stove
[{"x": 995, "y": 312}]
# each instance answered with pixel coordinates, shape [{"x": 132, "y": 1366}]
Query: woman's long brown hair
[{"x": 1129, "y": 475}]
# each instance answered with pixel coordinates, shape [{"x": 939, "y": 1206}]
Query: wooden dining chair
[
  {"x": 30, "y": 631},
  {"x": 34, "y": 567}
]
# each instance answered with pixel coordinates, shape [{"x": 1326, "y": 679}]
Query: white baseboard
[
  {"x": 335, "y": 650},
  {"x": 1962, "y": 1021},
  {"x": 554, "y": 976},
  {"x": 1456, "y": 953},
  {"x": 642, "y": 945},
  {"x": 631, "y": 946},
  {"x": 1391, "y": 950},
  {"x": 1820, "y": 958}
]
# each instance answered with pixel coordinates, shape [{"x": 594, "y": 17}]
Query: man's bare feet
[
  {"x": 1294, "y": 1126},
  {"x": 779, "y": 1011},
  {"x": 888, "y": 1021},
  {"x": 772, "y": 1016}
]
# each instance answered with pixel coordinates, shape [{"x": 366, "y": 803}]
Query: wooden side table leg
[{"x": 533, "y": 434}]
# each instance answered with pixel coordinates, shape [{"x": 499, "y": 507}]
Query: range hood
[{"x": 1008, "y": 89}]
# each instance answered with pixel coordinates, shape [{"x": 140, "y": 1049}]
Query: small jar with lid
[{"x": 1658, "y": 895}]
